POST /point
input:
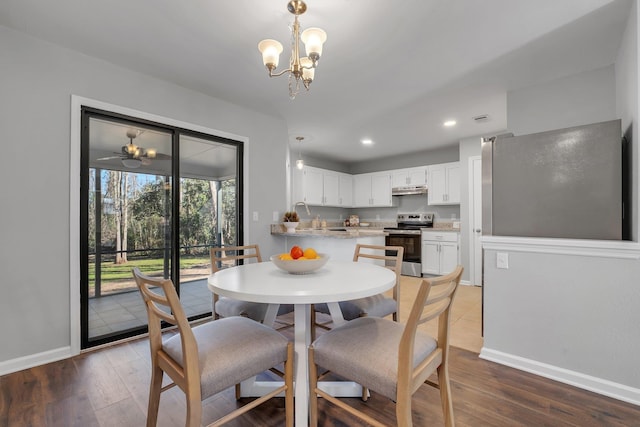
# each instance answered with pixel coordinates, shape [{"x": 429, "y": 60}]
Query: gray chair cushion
[
  {"x": 229, "y": 307},
  {"x": 365, "y": 350},
  {"x": 376, "y": 305},
  {"x": 231, "y": 350}
]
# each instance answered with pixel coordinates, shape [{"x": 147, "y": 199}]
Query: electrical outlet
[
  {"x": 502, "y": 260},
  {"x": 255, "y": 216}
]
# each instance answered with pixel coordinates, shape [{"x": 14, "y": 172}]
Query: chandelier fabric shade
[{"x": 301, "y": 69}]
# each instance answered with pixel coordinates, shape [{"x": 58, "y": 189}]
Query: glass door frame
[{"x": 176, "y": 132}]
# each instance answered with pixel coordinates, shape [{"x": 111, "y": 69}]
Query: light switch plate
[
  {"x": 276, "y": 216},
  {"x": 502, "y": 260},
  {"x": 255, "y": 216}
]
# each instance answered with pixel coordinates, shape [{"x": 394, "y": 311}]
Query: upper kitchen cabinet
[
  {"x": 338, "y": 189},
  {"x": 411, "y": 176},
  {"x": 372, "y": 189},
  {"x": 321, "y": 187},
  {"x": 444, "y": 183},
  {"x": 345, "y": 182}
]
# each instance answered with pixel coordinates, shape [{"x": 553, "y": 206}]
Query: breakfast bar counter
[{"x": 339, "y": 242}]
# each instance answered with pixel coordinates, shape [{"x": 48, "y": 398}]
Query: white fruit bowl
[{"x": 300, "y": 266}]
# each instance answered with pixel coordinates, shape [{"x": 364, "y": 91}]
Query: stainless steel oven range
[{"x": 408, "y": 234}]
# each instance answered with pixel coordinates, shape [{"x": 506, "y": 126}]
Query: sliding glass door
[
  {"x": 208, "y": 214},
  {"x": 154, "y": 197}
]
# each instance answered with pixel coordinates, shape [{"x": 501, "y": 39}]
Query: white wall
[
  {"x": 568, "y": 309},
  {"x": 37, "y": 82},
  {"x": 581, "y": 99}
]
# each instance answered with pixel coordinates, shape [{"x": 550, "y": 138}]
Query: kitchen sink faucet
[{"x": 305, "y": 206}]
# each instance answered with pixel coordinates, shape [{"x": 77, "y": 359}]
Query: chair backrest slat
[
  {"x": 176, "y": 316},
  {"x": 434, "y": 300},
  {"x": 225, "y": 254},
  {"x": 378, "y": 252}
]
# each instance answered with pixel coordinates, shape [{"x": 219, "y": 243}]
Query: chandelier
[{"x": 300, "y": 69}]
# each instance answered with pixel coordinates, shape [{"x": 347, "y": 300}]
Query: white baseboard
[
  {"x": 26, "y": 362},
  {"x": 576, "y": 379}
]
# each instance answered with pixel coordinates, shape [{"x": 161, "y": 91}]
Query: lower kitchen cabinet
[{"x": 440, "y": 251}]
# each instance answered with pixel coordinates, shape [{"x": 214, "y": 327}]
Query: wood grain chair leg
[
  {"x": 238, "y": 391},
  {"x": 403, "y": 412},
  {"x": 194, "y": 412},
  {"x": 313, "y": 396},
  {"x": 154, "y": 396},
  {"x": 445, "y": 395},
  {"x": 288, "y": 380}
]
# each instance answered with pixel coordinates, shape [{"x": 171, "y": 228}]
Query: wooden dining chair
[
  {"x": 388, "y": 357},
  {"x": 229, "y": 256},
  {"x": 209, "y": 358},
  {"x": 378, "y": 305}
]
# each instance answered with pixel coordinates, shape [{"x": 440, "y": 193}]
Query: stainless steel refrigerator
[{"x": 565, "y": 183}]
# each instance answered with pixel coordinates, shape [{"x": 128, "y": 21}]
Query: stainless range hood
[{"x": 409, "y": 190}]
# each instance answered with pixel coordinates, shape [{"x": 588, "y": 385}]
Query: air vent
[{"x": 481, "y": 118}]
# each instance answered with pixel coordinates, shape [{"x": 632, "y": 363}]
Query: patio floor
[{"x": 122, "y": 311}]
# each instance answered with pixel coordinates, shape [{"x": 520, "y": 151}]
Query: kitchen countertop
[
  {"x": 376, "y": 229},
  {"x": 332, "y": 232}
]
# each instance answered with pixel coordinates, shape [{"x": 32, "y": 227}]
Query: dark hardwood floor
[{"x": 109, "y": 387}]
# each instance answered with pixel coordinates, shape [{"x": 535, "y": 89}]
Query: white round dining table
[{"x": 336, "y": 281}]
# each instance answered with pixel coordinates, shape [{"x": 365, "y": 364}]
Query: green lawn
[{"x": 111, "y": 271}]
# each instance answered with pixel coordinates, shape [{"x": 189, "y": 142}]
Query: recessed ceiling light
[
  {"x": 450, "y": 123},
  {"x": 366, "y": 142}
]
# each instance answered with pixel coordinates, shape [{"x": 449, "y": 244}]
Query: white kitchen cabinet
[
  {"x": 372, "y": 189},
  {"x": 338, "y": 189},
  {"x": 444, "y": 184},
  {"x": 321, "y": 187},
  {"x": 410, "y": 176},
  {"x": 440, "y": 251},
  {"x": 345, "y": 182},
  {"x": 361, "y": 190},
  {"x": 331, "y": 188},
  {"x": 308, "y": 185}
]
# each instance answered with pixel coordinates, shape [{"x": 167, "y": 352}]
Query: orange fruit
[
  {"x": 296, "y": 252},
  {"x": 302, "y": 258},
  {"x": 286, "y": 257},
  {"x": 310, "y": 253}
]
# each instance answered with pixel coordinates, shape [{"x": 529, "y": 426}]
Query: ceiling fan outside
[{"x": 133, "y": 156}]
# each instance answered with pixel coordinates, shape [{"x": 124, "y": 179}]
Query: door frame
[{"x": 77, "y": 102}]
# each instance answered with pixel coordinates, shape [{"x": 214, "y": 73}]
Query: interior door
[{"x": 475, "y": 164}]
